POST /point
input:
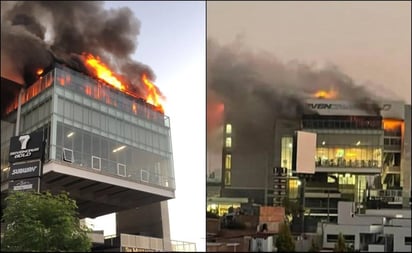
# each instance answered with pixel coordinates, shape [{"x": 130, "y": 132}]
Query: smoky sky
[
  {"x": 257, "y": 89},
  {"x": 34, "y": 34}
]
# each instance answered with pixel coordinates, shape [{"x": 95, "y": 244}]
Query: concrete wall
[
  {"x": 356, "y": 230},
  {"x": 399, "y": 234},
  {"x": 376, "y": 248},
  {"x": 151, "y": 220},
  {"x": 347, "y": 216}
]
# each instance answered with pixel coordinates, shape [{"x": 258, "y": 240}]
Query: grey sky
[{"x": 370, "y": 41}]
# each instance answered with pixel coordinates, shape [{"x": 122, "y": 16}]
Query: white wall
[{"x": 399, "y": 234}]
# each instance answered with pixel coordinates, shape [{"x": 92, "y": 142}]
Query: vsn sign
[
  {"x": 26, "y": 147},
  {"x": 325, "y": 106}
]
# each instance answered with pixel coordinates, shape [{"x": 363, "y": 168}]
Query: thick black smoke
[
  {"x": 257, "y": 89},
  {"x": 35, "y": 34}
]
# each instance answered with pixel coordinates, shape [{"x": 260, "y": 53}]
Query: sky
[
  {"x": 172, "y": 42},
  {"x": 369, "y": 41}
]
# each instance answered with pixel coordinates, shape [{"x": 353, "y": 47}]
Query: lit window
[
  {"x": 228, "y": 161},
  {"x": 228, "y": 128},
  {"x": 228, "y": 142},
  {"x": 228, "y": 180}
]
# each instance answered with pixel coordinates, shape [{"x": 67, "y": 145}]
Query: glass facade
[
  {"x": 93, "y": 126},
  {"x": 349, "y": 149},
  {"x": 341, "y": 122},
  {"x": 286, "y": 153}
]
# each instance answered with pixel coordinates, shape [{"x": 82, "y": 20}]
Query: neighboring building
[
  {"x": 182, "y": 246},
  {"x": 362, "y": 155},
  {"x": 111, "y": 151},
  {"x": 383, "y": 230}
]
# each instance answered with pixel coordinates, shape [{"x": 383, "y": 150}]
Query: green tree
[
  {"x": 340, "y": 245},
  {"x": 314, "y": 247},
  {"x": 284, "y": 241},
  {"x": 43, "y": 222}
]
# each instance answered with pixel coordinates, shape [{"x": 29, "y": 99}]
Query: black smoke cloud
[
  {"x": 256, "y": 89},
  {"x": 35, "y": 34}
]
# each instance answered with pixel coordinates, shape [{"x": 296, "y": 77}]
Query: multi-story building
[
  {"x": 111, "y": 151},
  {"x": 383, "y": 230},
  {"x": 362, "y": 155}
]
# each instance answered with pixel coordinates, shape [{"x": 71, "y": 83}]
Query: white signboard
[{"x": 305, "y": 152}]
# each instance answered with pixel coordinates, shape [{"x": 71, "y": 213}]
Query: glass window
[
  {"x": 77, "y": 140},
  {"x": 127, "y": 131},
  {"x": 78, "y": 115},
  {"x": 121, "y": 169},
  {"x": 228, "y": 161},
  {"x": 95, "y": 119},
  {"x": 67, "y": 155},
  {"x": 286, "y": 152},
  {"x": 155, "y": 140},
  {"x": 105, "y": 148},
  {"x": 228, "y": 128},
  {"x": 68, "y": 138},
  {"x": 96, "y": 145},
  {"x": 68, "y": 109},
  {"x": 59, "y": 134},
  {"x": 228, "y": 142},
  {"x": 228, "y": 180},
  {"x": 103, "y": 122},
  {"x": 60, "y": 106},
  {"x": 87, "y": 143},
  {"x": 96, "y": 163},
  {"x": 144, "y": 176},
  {"x": 149, "y": 139}
]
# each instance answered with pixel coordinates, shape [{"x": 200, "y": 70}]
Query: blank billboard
[{"x": 304, "y": 152}]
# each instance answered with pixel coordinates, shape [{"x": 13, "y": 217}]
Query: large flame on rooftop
[
  {"x": 153, "y": 96},
  {"x": 103, "y": 72},
  {"x": 331, "y": 94}
]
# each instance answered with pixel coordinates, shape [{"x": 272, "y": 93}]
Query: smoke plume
[
  {"x": 256, "y": 89},
  {"x": 36, "y": 34}
]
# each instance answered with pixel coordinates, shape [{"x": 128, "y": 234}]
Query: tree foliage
[
  {"x": 284, "y": 241},
  {"x": 43, "y": 222},
  {"x": 340, "y": 245}
]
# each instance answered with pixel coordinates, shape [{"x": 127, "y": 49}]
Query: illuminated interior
[{"x": 362, "y": 157}]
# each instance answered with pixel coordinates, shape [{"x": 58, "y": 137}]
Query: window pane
[{"x": 228, "y": 161}]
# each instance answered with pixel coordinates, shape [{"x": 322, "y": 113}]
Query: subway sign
[
  {"x": 26, "y": 147},
  {"x": 25, "y": 170}
]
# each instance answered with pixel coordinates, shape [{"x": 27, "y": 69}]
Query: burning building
[
  {"x": 96, "y": 116},
  {"x": 362, "y": 146}
]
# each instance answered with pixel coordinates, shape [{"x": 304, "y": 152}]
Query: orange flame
[
  {"x": 39, "y": 72},
  {"x": 102, "y": 71},
  {"x": 392, "y": 124},
  {"x": 326, "y": 94},
  {"x": 152, "y": 97}
]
